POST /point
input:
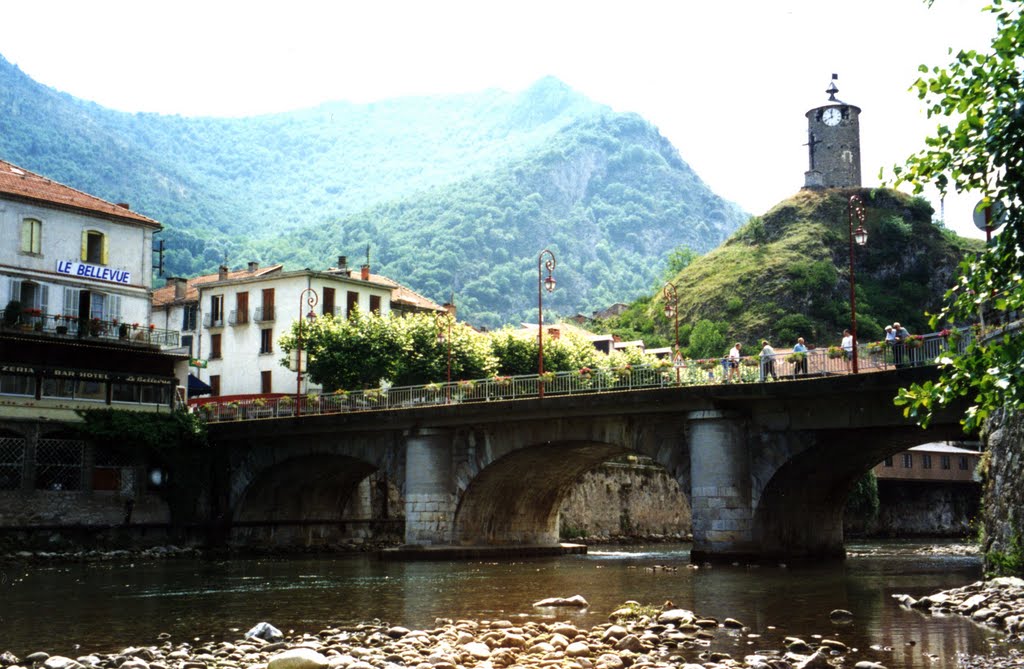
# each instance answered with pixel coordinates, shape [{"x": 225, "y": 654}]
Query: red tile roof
[
  {"x": 22, "y": 184},
  {"x": 400, "y": 293},
  {"x": 165, "y": 296}
]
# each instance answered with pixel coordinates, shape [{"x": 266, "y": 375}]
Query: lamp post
[
  {"x": 442, "y": 319},
  {"x": 310, "y": 297},
  {"x": 855, "y": 208},
  {"x": 672, "y": 311},
  {"x": 548, "y": 283}
]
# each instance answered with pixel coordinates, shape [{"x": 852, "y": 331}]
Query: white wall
[
  {"x": 241, "y": 361},
  {"x": 129, "y": 249}
]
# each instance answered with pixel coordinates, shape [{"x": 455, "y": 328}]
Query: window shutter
[
  {"x": 85, "y": 245},
  {"x": 26, "y": 236},
  {"x": 15, "y": 290},
  {"x": 44, "y": 298},
  {"x": 103, "y": 257},
  {"x": 71, "y": 302}
]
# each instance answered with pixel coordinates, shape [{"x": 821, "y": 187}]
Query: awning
[{"x": 197, "y": 387}]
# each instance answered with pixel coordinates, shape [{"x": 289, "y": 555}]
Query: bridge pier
[
  {"x": 429, "y": 495},
  {"x": 723, "y": 516}
]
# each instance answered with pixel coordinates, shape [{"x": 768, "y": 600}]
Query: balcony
[
  {"x": 210, "y": 322},
  {"x": 34, "y": 322},
  {"x": 238, "y": 317},
  {"x": 264, "y": 314}
]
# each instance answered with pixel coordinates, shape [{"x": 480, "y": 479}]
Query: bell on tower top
[{"x": 833, "y": 89}]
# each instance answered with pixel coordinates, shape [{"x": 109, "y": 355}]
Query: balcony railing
[
  {"x": 238, "y": 317},
  {"x": 58, "y": 325},
  {"x": 922, "y": 350},
  {"x": 210, "y": 322},
  {"x": 264, "y": 314}
]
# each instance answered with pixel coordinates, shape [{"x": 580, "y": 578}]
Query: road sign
[
  {"x": 989, "y": 217},
  {"x": 198, "y": 363}
]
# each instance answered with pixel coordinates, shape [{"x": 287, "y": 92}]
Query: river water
[{"x": 73, "y": 609}]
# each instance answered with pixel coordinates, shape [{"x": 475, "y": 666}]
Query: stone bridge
[{"x": 766, "y": 467}]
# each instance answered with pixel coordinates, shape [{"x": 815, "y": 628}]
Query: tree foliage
[{"x": 978, "y": 146}]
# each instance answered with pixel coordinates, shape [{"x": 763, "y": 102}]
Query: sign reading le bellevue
[{"x": 94, "y": 272}]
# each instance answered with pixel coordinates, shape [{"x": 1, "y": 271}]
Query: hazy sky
[{"x": 727, "y": 82}]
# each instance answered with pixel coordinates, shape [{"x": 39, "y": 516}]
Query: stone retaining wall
[
  {"x": 1003, "y": 498},
  {"x": 636, "y": 499}
]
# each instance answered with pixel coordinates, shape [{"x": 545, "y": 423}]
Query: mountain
[
  {"x": 786, "y": 274},
  {"x": 455, "y": 193}
]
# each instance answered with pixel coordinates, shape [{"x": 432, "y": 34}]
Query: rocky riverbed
[
  {"x": 997, "y": 603},
  {"x": 635, "y": 637}
]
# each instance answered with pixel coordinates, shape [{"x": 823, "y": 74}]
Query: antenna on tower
[{"x": 832, "y": 88}]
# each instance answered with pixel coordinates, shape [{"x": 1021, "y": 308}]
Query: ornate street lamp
[
  {"x": 855, "y": 208},
  {"x": 443, "y": 320},
  {"x": 672, "y": 311},
  {"x": 548, "y": 283},
  {"x": 311, "y": 298}
]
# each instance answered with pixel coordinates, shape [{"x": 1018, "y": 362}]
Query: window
[
  {"x": 186, "y": 342},
  {"x": 352, "y": 301},
  {"x": 31, "y": 236},
  {"x": 215, "y": 385},
  {"x": 214, "y": 346},
  {"x": 216, "y": 311},
  {"x": 266, "y": 341},
  {"x": 241, "y": 308},
  {"x": 888, "y": 461},
  {"x": 328, "y": 301},
  {"x": 375, "y": 304},
  {"x": 944, "y": 461},
  {"x": 963, "y": 462},
  {"x": 926, "y": 461},
  {"x": 265, "y": 385},
  {"x": 18, "y": 383},
  {"x": 266, "y": 312},
  {"x": 94, "y": 247},
  {"x": 188, "y": 317},
  {"x": 908, "y": 461}
]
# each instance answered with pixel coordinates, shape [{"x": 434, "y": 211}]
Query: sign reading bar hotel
[{"x": 94, "y": 272}]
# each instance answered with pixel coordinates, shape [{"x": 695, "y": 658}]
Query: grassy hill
[
  {"x": 454, "y": 193},
  {"x": 786, "y": 274}
]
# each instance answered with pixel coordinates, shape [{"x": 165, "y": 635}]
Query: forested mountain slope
[{"x": 454, "y": 193}]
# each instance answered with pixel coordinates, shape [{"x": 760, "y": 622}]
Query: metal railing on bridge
[{"x": 872, "y": 357}]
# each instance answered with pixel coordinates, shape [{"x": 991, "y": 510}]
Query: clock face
[{"x": 832, "y": 116}]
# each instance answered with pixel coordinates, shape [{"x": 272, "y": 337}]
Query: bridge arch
[{"x": 802, "y": 481}]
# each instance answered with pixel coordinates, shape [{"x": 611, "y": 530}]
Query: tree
[
  {"x": 707, "y": 340},
  {"x": 980, "y": 149}
]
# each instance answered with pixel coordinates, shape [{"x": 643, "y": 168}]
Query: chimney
[
  {"x": 222, "y": 273},
  {"x": 124, "y": 205},
  {"x": 450, "y": 309},
  {"x": 343, "y": 263},
  {"x": 180, "y": 286},
  {"x": 364, "y": 272},
  {"x": 253, "y": 266}
]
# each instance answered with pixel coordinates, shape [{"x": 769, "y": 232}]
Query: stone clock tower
[{"x": 833, "y": 143}]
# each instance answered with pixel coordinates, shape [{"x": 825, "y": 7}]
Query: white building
[
  {"x": 70, "y": 254},
  {"x": 232, "y": 321}
]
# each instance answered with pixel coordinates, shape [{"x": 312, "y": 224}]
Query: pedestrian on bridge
[
  {"x": 767, "y": 361},
  {"x": 734, "y": 363},
  {"x": 800, "y": 365},
  {"x": 899, "y": 349}
]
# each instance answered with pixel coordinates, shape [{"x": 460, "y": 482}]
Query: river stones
[
  {"x": 60, "y": 662},
  {"x": 795, "y": 645},
  {"x": 676, "y": 617},
  {"x": 397, "y": 632},
  {"x": 298, "y": 658},
  {"x": 629, "y": 642},
  {"x": 265, "y": 631},
  {"x": 576, "y": 601},
  {"x": 37, "y": 658},
  {"x": 609, "y": 661},
  {"x": 816, "y": 661},
  {"x": 614, "y": 633},
  {"x": 578, "y": 649},
  {"x": 474, "y": 649},
  {"x": 840, "y": 616}
]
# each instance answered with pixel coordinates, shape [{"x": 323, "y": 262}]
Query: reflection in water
[{"x": 83, "y": 608}]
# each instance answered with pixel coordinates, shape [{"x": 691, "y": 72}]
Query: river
[{"x": 73, "y": 609}]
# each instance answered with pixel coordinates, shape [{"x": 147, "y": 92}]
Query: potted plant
[
  {"x": 432, "y": 387},
  {"x": 707, "y": 363},
  {"x": 796, "y": 357},
  {"x": 586, "y": 373},
  {"x": 12, "y": 313},
  {"x": 876, "y": 348},
  {"x": 835, "y": 352},
  {"x": 547, "y": 377},
  {"x": 915, "y": 341},
  {"x": 95, "y": 327}
]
